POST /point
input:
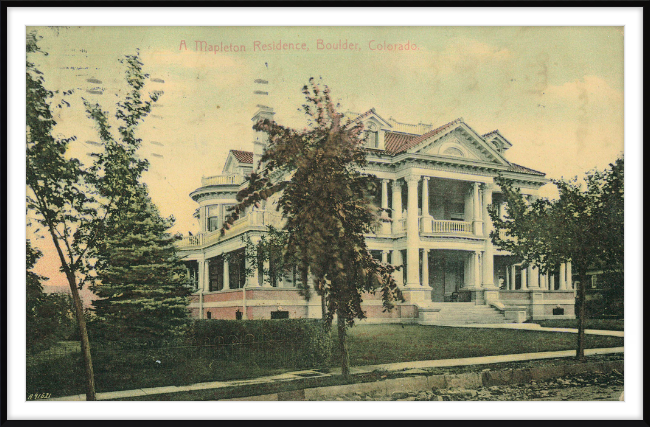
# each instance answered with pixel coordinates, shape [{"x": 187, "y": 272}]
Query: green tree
[
  {"x": 59, "y": 196},
  {"x": 49, "y": 316},
  {"x": 138, "y": 277},
  {"x": 584, "y": 226},
  {"x": 328, "y": 208}
]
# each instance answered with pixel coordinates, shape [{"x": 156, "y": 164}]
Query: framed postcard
[{"x": 414, "y": 206}]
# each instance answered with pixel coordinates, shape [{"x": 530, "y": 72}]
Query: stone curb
[{"x": 470, "y": 381}]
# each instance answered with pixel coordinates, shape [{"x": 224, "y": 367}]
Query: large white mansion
[{"x": 437, "y": 183}]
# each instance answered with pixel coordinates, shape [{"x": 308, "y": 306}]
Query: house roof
[
  {"x": 496, "y": 132},
  {"x": 518, "y": 168},
  {"x": 243, "y": 156},
  {"x": 405, "y": 142}
]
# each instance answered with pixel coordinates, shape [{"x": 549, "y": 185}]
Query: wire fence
[{"x": 119, "y": 365}]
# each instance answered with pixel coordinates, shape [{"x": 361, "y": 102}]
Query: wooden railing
[
  {"x": 445, "y": 226},
  {"x": 231, "y": 179},
  {"x": 255, "y": 218}
]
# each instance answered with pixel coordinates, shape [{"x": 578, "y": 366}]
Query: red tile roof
[
  {"x": 243, "y": 156},
  {"x": 414, "y": 140},
  {"x": 393, "y": 141},
  {"x": 518, "y": 168}
]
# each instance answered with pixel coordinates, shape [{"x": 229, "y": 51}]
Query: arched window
[{"x": 372, "y": 135}]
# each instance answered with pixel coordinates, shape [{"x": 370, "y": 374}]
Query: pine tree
[{"x": 139, "y": 278}]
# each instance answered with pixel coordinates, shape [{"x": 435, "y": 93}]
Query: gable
[{"x": 459, "y": 141}]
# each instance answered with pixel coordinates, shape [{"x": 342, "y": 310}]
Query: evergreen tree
[
  {"x": 138, "y": 277},
  {"x": 328, "y": 208}
]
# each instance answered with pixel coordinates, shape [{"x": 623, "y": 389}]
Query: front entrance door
[{"x": 447, "y": 274}]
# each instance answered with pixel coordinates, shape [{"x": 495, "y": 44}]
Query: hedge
[{"x": 310, "y": 341}]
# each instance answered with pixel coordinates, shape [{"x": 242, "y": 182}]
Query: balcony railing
[
  {"x": 446, "y": 226},
  {"x": 231, "y": 179},
  {"x": 253, "y": 219}
]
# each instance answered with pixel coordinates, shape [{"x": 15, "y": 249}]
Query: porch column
[
  {"x": 397, "y": 261},
  {"x": 543, "y": 282},
  {"x": 533, "y": 277},
  {"x": 426, "y": 218},
  {"x": 476, "y": 271},
  {"x": 425, "y": 267},
  {"x": 524, "y": 281},
  {"x": 507, "y": 278},
  {"x": 202, "y": 280},
  {"x": 477, "y": 223},
  {"x": 254, "y": 280},
  {"x": 384, "y": 257},
  {"x": 226, "y": 274},
  {"x": 551, "y": 282},
  {"x": 513, "y": 277},
  {"x": 385, "y": 226},
  {"x": 266, "y": 267},
  {"x": 488, "y": 260},
  {"x": 397, "y": 206},
  {"x": 562, "y": 277},
  {"x": 412, "y": 234},
  {"x": 569, "y": 276}
]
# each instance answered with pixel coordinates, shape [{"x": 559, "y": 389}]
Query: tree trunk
[
  {"x": 323, "y": 306},
  {"x": 85, "y": 342},
  {"x": 343, "y": 346},
  {"x": 580, "y": 353}
]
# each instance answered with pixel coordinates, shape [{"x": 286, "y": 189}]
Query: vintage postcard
[{"x": 372, "y": 213}]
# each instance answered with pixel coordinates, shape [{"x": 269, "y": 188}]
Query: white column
[
  {"x": 569, "y": 276},
  {"x": 513, "y": 277},
  {"x": 543, "y": 282},
  {"x": 385, "y": 226},
  {"x": 412, "y": 234},
  {"x": 562, "y": 277},
  {"x": 524, "y": 282},
  {"x": 384, "y": 257},
  {"x": 507, "y": 278},
  {"x": 226, "y": 274},
  {"x": 397, "y": 205},
  {"x": 533, "y": 276},
  {"x": 551, "y": 282},
  {"x": 425, "y": 196},
  {"x": 252, "y": 281},
  {"x": 203, "y": 285},
  {"x": 397, "y": 261},
  {"x": 476, "y": 218},
  {"x": 425, "y": 267},
  {"x": 488, "y": 260},
  {"x": 427, "y": 226},
  {"x": 266, "y": 267},
  {"x": 476, "y": 270}
]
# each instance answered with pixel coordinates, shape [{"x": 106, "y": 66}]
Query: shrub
[{"x": 307, "y": 339}]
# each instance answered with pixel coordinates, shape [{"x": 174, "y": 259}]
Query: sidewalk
[
  {"x": 537, "y": 327},
  {"x": 301, "y": 375}
]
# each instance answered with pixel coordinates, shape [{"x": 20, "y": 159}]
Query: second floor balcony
[{"x": 258, "y": 219}]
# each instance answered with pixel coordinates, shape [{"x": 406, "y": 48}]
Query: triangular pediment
[{"x": 462, "y": 142}]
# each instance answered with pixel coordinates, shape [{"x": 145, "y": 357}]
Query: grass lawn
[
  {"x": 377, "y": 344},
  {"x": 369, "y": 345},
  {"x": 604, "y": 324}
]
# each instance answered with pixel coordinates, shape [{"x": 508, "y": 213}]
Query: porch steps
[{"x": 458, "y": 313}]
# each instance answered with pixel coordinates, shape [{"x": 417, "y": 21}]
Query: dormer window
[{"x": 372, "y": 136}]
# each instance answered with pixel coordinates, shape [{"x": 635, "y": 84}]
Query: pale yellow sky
[{"x": 556, "y": 93}]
